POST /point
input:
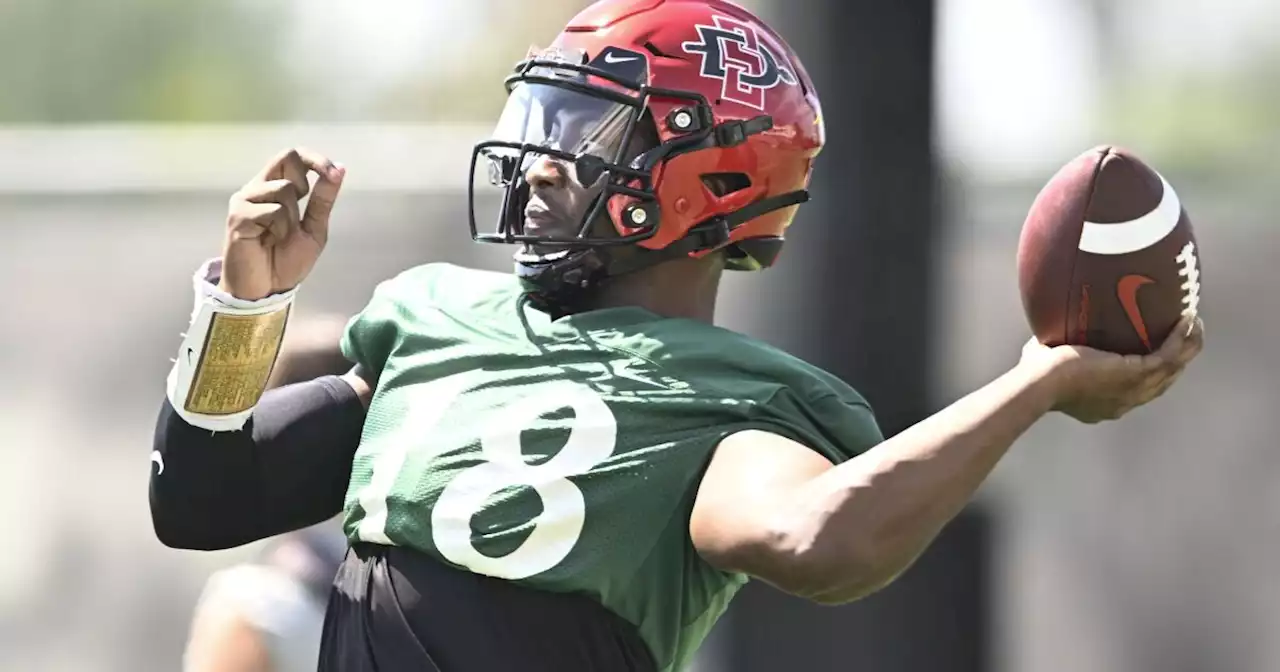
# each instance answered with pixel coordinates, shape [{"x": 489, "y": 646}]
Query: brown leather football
[{"x": 1107, "y": 257}]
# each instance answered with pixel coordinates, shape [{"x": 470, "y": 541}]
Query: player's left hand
[{"x": 1092, "y": 386}]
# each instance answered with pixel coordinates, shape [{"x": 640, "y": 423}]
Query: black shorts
[{"x": 396, "y": 610}]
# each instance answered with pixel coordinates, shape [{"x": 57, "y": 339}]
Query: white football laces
[{"x": 1191, "y": 287}]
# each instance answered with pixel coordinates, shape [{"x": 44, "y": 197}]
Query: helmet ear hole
[
  {"x": 644, "y": 138},
  {"x": 723, "y": 184}
]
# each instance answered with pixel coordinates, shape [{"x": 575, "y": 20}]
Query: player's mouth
[{"x": 540, "y": 220}]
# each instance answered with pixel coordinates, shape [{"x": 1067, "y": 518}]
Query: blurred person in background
[
  {"x": 570, "y": 468},
  {"x": 267, "y": 615}
]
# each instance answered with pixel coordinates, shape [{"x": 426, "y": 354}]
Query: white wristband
[{"x": 227, "y": 353}]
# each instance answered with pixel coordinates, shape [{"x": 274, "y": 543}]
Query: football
[{"x": 1107, "y": 256}]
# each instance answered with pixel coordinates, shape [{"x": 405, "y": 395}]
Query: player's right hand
[
  {"x": 1092, "y": 386},
  {"x": 271, "y": 244}
]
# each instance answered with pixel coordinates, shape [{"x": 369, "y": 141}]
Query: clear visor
[
  {"x": 551, "y": 117},
  {"x": 571, "y": 120}
]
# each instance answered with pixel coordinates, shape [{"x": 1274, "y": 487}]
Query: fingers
[
  {"x": 276, "y": 191},
  {"x": 286, "y": 165},
  {"x": 320, "y": 207},
  {"x": 1194, "y": 342},
  {"x": 1177, "y": 337},
  {"x": 295, "y": 171},
  {"x": 294, "y": 163},
  {"x": 1166, "y": 383},
  {"x": 1166, "y": 365},
  {"x": 1115, "y": 385},
  {"x": 1183, "y": 343},
  {"x": 1186, "y": 340},
  {"x": 254, "y": 220},
  {"x": 320, "y": 164},
  {"x": 287, "y": 172},
  {"x": 263, "y": 213},
  {"x": 325, "y": 195},
  {"x": 1154, "y": 386},
  {"x": 1191, "y": 346}
]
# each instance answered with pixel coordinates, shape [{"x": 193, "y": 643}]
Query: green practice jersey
[{"x": 566, "y": 454}]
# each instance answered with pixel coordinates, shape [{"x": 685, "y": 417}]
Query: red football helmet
[{"x": 738, "y": 126}]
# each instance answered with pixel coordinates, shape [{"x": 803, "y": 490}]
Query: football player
[{"x": 569, "y": 467}]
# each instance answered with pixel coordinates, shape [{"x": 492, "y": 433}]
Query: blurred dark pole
[
  {"x": 866, "y": 303},
  {"x": 867, "y": 240}
]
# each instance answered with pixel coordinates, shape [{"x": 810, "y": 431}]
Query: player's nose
[{"x": 546, "y": 172}]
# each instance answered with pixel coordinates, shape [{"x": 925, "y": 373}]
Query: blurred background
[{"x": 1151, "y": 544}]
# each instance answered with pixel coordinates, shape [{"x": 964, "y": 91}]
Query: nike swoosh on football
[
  {"x": 1127, "y": 292},
  {"x": 614, "y": 58},
  {"x": 1136, "y": 234}
]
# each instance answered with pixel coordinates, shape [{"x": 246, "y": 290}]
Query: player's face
[
  {"x": 551, "y": 128},
  {"x": 558, "y": 198}
]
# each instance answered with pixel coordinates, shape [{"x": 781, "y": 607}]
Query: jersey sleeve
[
  {"x": 839, "y": 426},
  {"x": 372, "y": 335}
]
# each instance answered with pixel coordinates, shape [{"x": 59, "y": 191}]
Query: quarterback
[{"x": 569, "y": 467}]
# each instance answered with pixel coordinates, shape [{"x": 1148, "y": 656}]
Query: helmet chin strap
[{"x": 561, "y": 285}]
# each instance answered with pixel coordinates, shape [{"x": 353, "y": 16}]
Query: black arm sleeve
[{"x": 286, "y": 469}]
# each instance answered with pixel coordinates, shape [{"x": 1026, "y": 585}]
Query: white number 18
[{"x": 592, "y": 438}]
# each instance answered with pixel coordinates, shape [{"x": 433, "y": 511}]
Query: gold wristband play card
[{"x": 239, "y": 353}]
